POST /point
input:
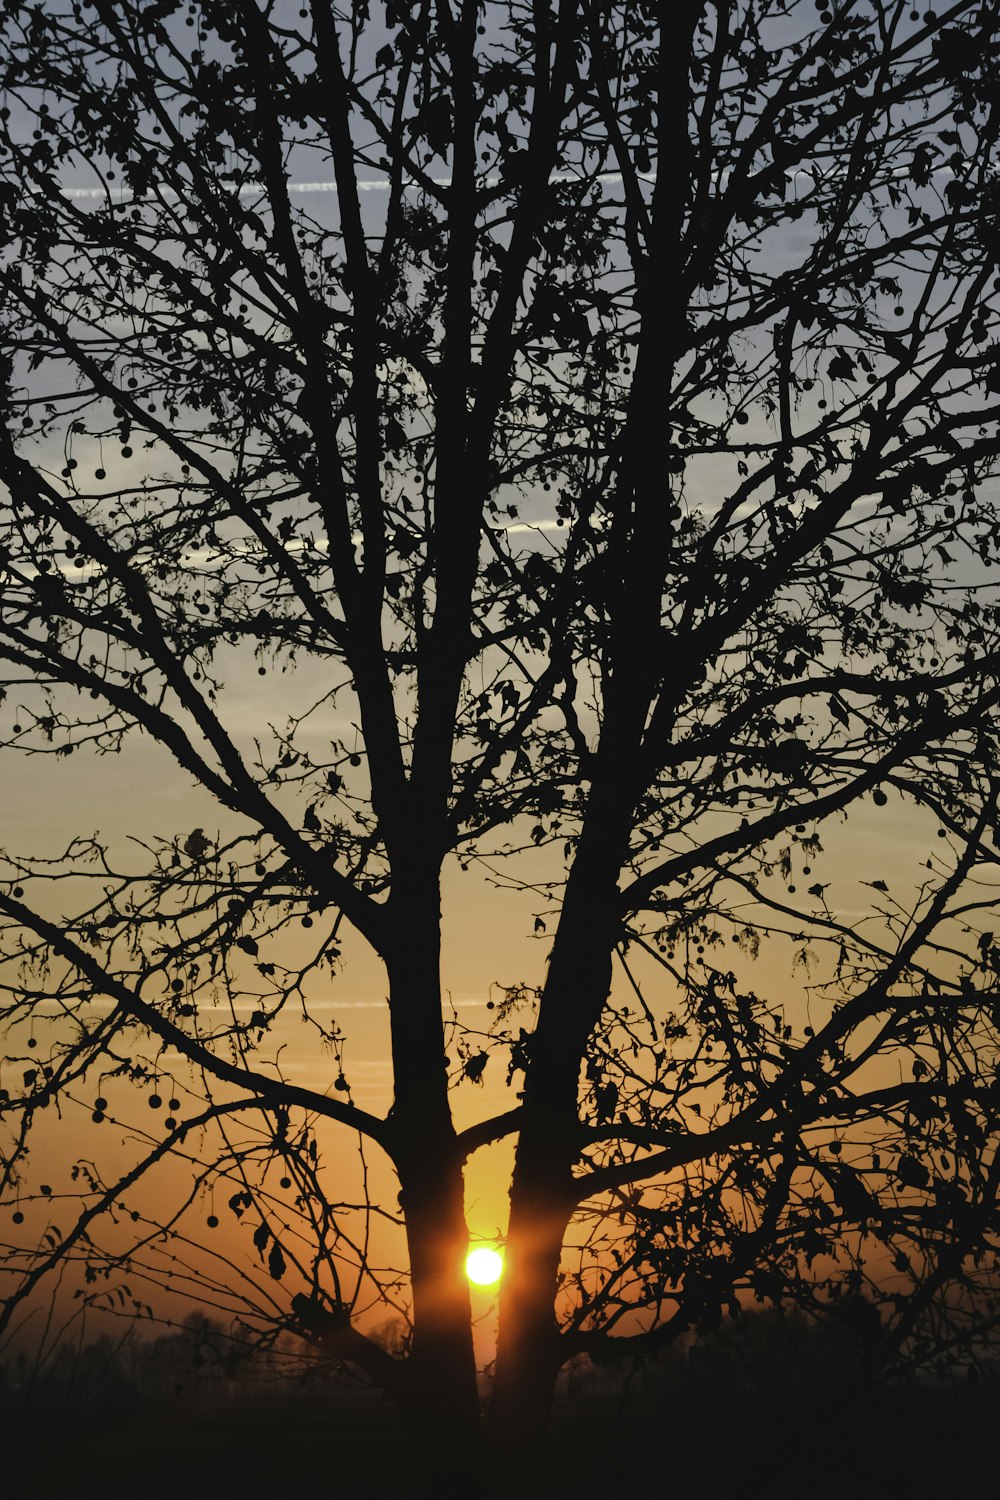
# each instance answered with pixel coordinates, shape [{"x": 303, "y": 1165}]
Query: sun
[{"x": 484, "y": 1266}]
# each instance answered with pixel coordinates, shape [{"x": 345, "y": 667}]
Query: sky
[{"x": 489, "y": 936}]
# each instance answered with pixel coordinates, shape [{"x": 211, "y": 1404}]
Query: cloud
[{"x": 370, "y": 185}]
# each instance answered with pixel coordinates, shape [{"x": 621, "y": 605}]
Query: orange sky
[{"x": 488, "y": 938}]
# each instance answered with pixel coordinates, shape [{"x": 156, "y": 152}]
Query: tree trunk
[
  {"x": 542, "y": 1192},
  {"x": 443, "y": 1399},
  {"x": 527, "y": 1348},
  {"x": 437, "y": 1239}
]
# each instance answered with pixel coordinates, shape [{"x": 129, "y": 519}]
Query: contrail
[
  {"x": 720, "y": 179},
  {"x": 373, "y": 185}
]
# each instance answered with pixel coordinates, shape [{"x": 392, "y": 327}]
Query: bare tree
[{"x": 609, "y": 463}]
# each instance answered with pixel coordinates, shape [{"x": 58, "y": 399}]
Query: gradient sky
[{"x": 489, "y": 936}]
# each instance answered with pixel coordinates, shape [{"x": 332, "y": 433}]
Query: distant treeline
[
  {"x": 768, "y": 1353},
  {"x": 198, "y": 1358}
]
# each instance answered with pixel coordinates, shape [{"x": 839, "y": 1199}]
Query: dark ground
[{"x": 915, "y": 1443}]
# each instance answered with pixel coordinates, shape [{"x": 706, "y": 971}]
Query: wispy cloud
[
  {"x": 252, "y": 189},
  {"x": 245, "y": 1009},
  {"x": 370, "y": 185}
]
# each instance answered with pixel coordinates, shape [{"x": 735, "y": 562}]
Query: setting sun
[{"x": 484, "y": 1266}]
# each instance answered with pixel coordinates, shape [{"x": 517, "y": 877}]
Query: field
[{"x": 913, "y": 1442}]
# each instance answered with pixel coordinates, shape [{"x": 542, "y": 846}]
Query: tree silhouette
[{"x": 603, "y": 474}]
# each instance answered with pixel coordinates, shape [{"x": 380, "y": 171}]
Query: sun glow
[{"x": 484, "y": 1265}]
